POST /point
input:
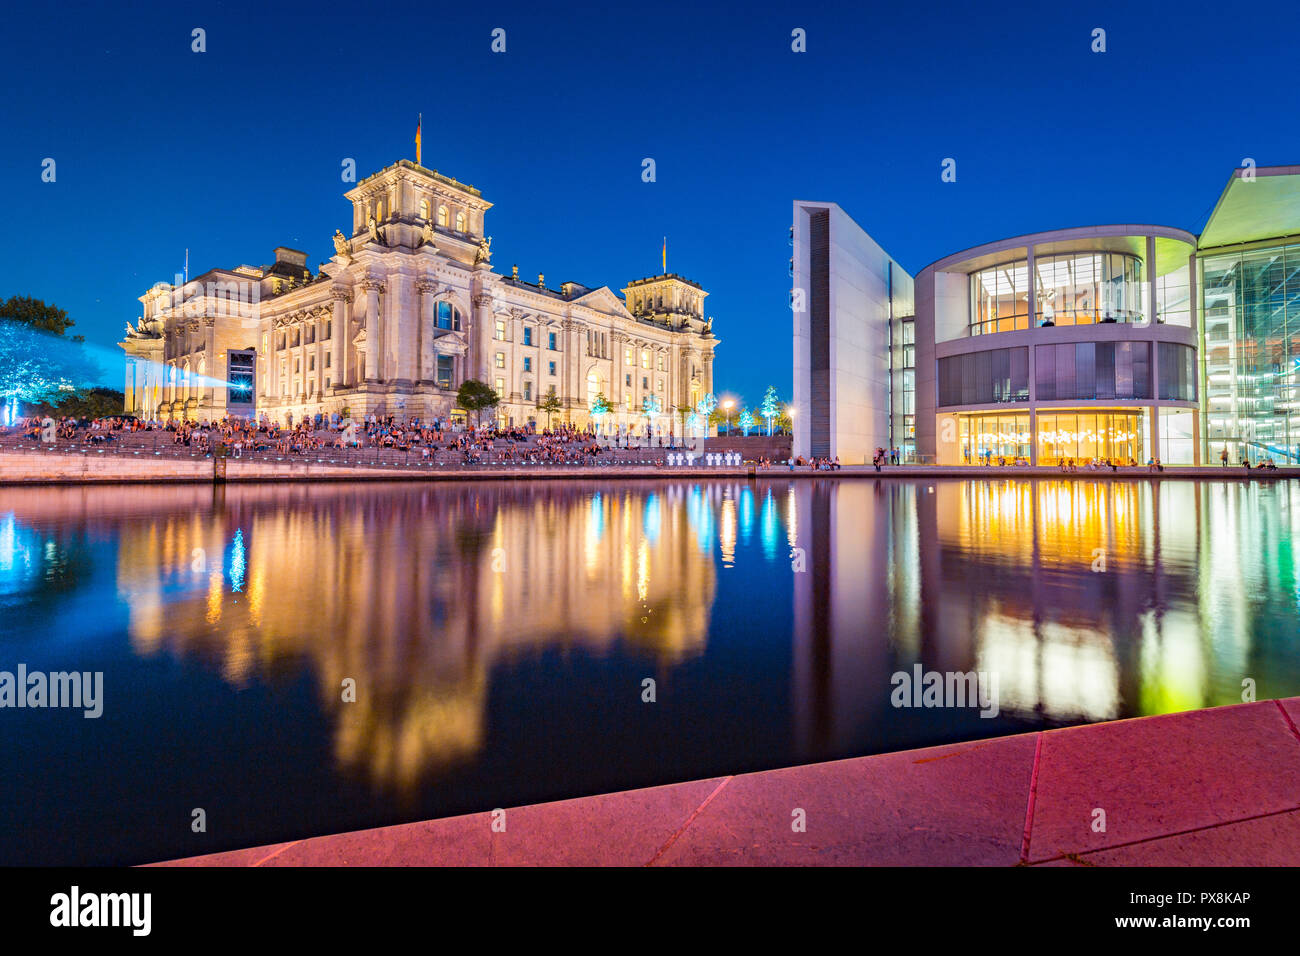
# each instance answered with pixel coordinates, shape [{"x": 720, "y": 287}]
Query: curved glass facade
[
  {"x": 1077, "y": 288},
  {"x": 1089, "y": 287},
  {"x": 1092, "y": 371}
]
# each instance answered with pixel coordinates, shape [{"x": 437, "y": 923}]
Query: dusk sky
[{"x": 236, "y": 150}]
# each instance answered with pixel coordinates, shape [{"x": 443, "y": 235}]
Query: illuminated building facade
[
  {"x": 1060, "y": 346},
  {"x": 407, "y": 309},
  {"x": 1115, "y": 342}
]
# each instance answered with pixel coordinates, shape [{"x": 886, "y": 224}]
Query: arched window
[
  {"x": 424, "y": 209},
  {"x": 595, "y": 385},
  {"x": 442, "y": 216},
  {"x": 460, "y": 222},
  {"x": 444, "y": 315}
]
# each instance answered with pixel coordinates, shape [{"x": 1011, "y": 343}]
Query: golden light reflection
[
  {"x": 727, "y": 530},
  {"x": 401, "y": 593}
]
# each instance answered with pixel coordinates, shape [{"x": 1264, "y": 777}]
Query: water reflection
[
  {"x": 489, "y": 626},
  {"x": 415, "y": 595}
]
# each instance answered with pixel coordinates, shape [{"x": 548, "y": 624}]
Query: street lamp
[{"x": 727, "y": 405}]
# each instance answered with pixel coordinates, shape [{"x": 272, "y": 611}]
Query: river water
[{"x": 300, "y": 660}]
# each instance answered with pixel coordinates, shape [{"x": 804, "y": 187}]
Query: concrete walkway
[
  {"x": 59, "y": 468},
  {"x": 1208, "y": 787}
]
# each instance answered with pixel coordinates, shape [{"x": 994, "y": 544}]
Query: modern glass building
[
  {"x": 1249, "y": 264},
  {"x": 1073, "y": 344},
  {"x": 1126, "y": 342}
]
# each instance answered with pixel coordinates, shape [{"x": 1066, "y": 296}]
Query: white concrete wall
[
  {"x": 859, "y": 316},
  {"x": 859, "y": 313}
]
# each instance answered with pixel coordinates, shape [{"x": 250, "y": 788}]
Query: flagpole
[{"x": 419, "y": 132}]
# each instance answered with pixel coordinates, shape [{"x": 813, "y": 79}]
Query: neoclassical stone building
[{"x": 407, "y": 309}]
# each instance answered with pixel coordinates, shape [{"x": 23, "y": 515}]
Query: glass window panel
[
  {"x": 1084, "y": 371},
  {"x": 1019, "y": 374},
  {"x": 1045, "y": 372},
  {"x": 1065, "y": 372},
  {"x": 1141, "y": 369},
  {"x": 1123, "y": 369}
]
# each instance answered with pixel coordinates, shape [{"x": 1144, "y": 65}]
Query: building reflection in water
[
  {"x": 416, "y": 594},
  {"x": 1088, "y": 600},
  {"x": 419, "y": 592}
]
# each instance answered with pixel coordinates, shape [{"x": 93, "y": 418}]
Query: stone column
[
  {"x": 323, "y": 313},
  {"x": 399, "y": 332},
  {"x": 372, "y": 323},
  {"x": 619, "y": 342},
  {"x": 480, "y": 336},
  {"x": 211, "y": 371},
  {"x": 339, "y": 331},
  {"x": 426, "y": 369}
]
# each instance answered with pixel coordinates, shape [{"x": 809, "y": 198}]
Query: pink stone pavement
[{"x": 1201, "y": 788}]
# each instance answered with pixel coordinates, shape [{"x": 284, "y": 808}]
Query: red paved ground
[{"x": 1206, "y": 787}]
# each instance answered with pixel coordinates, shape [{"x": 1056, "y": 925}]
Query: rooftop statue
[
  {"x": 484, "y": 250},
  {"x": 341, "y": 244}
]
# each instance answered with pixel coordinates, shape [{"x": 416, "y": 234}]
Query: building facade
[
  {"x": 408, "y": 309},
  {"x": 1116, "y": 342},
  {"x": 1074, "y": 344}
]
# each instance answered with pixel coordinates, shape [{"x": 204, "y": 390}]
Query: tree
[
  {"x": 770, "y": 407},
  {"x": 37, "y": 362},
  {"x": 746, "y": 421},
  {"x": 599, "y": 404},
  {"x": 97, "y": 402},
  {"x": 34, "y": 312},
  {"x": 475, "y": 396},
  {"x": 784, "y": 423},
  {"x": 550, "y": 404}
]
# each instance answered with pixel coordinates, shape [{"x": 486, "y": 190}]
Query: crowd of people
[{"x": 467, "y": 443}]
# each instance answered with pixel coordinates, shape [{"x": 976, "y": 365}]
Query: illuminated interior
[
  {"x": 1083, "y": 436},
  {"x": 990, "y": 437}
]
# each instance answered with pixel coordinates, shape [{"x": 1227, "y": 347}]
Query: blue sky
[{"x": 237, "y": 150}]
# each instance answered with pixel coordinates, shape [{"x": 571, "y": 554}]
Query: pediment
[{"x": 604, "y": 300}]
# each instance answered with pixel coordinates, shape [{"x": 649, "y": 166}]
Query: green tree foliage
[
  {"x": 475, "y": 396},
  {"x": 97, "y": 402},
  {"x": 550, "y": 404},
  {"x": 38, "y": 363},
  {"x": 38, "y": 315},
  {"x": 770, "y": 407}
]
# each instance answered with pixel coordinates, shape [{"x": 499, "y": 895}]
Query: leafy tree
[
  {"x": 37, "y": 361},
  {"x": 475, "y": 396},
  {"x": 745, "y": 421},
  {"x": 550, "y": 404},
  {"x": 34, "y": 312},
  {"x": 784, "y": 423},
  {"x": 770, "y": 407},
  {"x": 97, "y": 402}
]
